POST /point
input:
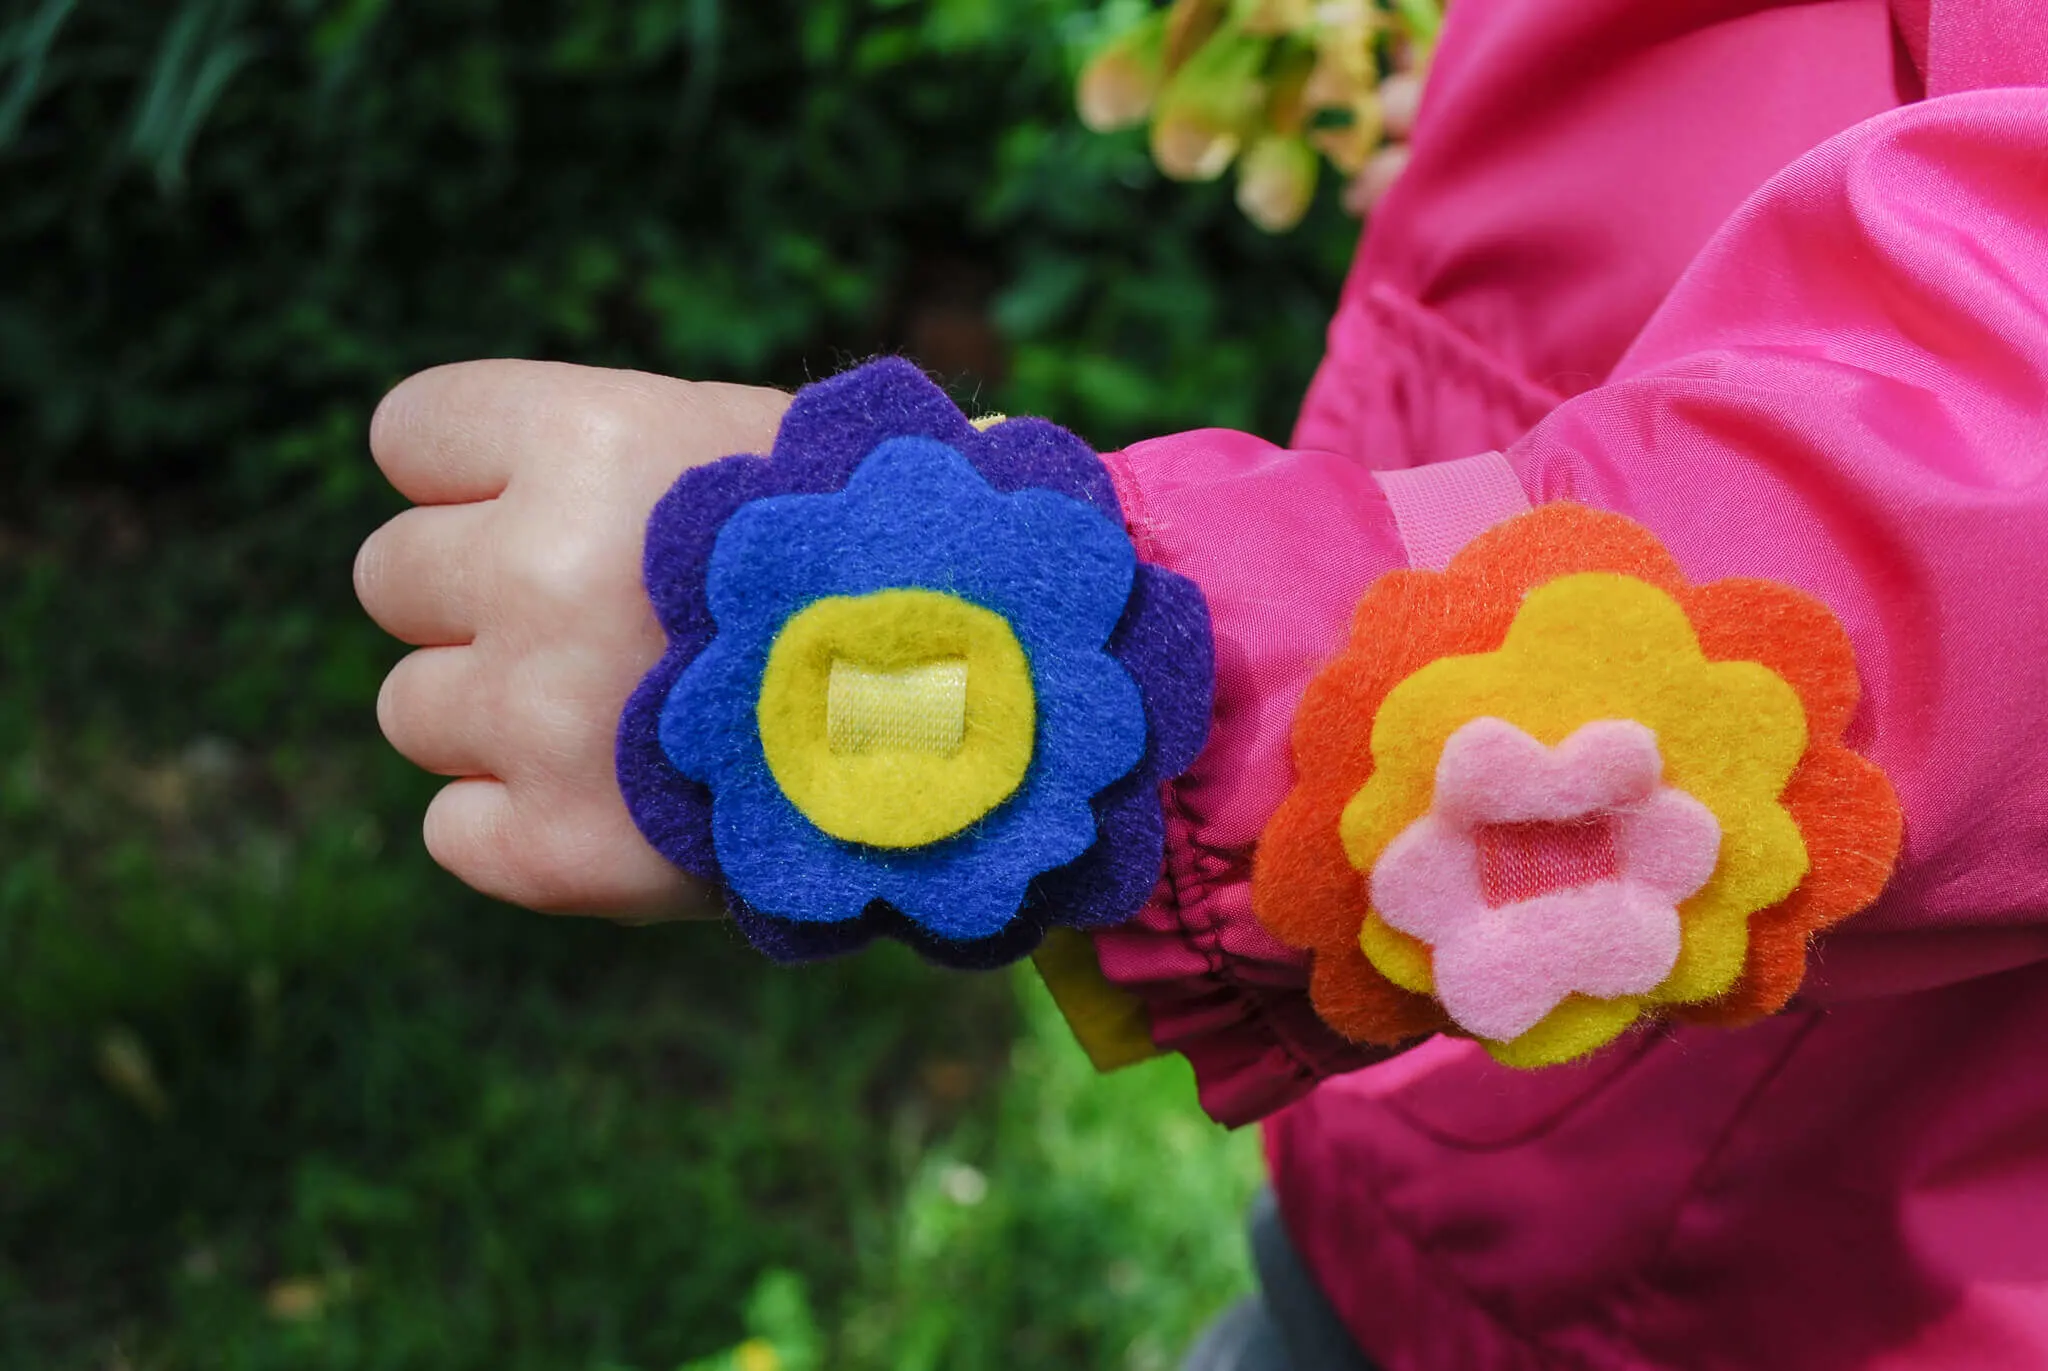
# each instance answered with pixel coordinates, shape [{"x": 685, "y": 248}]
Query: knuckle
[
  {"x": 546, "y": 712},
  {"x": 575, "y": 570},
  {"x": 471, "y": 832},
  {"x": 562, "y": 868},
  {"x": 422, "y": 410},
  {"x": 609, "y": 426}
]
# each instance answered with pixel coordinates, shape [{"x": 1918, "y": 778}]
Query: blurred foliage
[
  {"x": 276, "y": 1094},
  {"x": 228, "y": 227}
]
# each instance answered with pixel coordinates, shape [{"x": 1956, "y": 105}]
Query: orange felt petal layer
[
  {"x": 1850, "y": 819},
  {"x": 1307, "y": 893}
]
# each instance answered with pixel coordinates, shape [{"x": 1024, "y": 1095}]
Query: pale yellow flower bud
[
  {"x": 1189, "y": 146},
  {"x": 1351, "y": 145},
  {"x": 1342, "y": 75},
  {"x": 1189, "y": 25},
  {"x": 1276, "y": 183},
  {"x": 1275, "y": 18},
  {"x": 1117, "y": 87},
  {"x": 1209, "y": 106}
]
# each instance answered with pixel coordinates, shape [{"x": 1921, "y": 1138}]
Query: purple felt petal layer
[
  {"x": 672, "y": 811},
  {"x": 1163, "y": 641},
  {"x": 793, "y": 942},
  {"x": 831, "y": 426}
]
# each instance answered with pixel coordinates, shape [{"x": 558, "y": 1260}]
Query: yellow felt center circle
[{"x": 898, "y": 718}]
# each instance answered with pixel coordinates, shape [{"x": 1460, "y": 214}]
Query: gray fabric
[
  {"x": 1243, "y": 1339},
  {"x": 1289, "y": 1325},
  {"x": 1315, "y": 1338}
]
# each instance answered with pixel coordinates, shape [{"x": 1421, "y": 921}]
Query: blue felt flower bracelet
[{"x": 918, "y": 682}]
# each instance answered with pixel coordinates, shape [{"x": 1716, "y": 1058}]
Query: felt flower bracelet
[
  {"x": 1555, "y": 789},
  {"x": 918, "y": 683}
]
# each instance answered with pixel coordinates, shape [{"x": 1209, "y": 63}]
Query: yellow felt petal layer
[
  {"x": 1583, "y": 648},
  {"x": 887, "y": 776}
]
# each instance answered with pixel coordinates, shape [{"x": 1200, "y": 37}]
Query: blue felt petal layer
[
  {"x": 914, "y": 514},
  {"x": 1161, "y": 642}
]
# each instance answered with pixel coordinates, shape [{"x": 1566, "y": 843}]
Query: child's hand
[{"x": 519, "y": 580}]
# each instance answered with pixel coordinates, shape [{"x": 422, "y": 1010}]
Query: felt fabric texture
[
  {"x": 913, "y": 514},
  {"x": 923, "y": 770},
  {"x": 1311, "y": 893},
  {"x": 1161, "y": 642},
  {"x": 1600, "y": 853},
  {"x": 1108, "y": 1021},
  {"x": 1599, "y": 646}
]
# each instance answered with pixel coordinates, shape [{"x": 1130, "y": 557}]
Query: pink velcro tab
[{"x": 1440, "y": 507}]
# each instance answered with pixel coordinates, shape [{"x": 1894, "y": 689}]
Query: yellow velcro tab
[{"x": 917, "y": 709}]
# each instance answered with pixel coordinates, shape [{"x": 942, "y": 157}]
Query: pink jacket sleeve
[{"x": 1846, "y": 392}]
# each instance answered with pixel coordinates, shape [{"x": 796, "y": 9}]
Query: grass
[{"x": 275, "y": 1093}]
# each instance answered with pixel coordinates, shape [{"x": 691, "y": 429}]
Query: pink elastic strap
[{"x": 1440, "y": 507}]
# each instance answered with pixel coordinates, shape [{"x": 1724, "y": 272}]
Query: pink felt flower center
[{"x": 1542, "y": 872}]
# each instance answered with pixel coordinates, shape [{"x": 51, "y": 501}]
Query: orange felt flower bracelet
[{"x": 1554, "y": 790}]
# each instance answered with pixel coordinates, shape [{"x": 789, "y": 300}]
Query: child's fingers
[
  {"x": 559, "y": 859},
  {"x": 452, "y": 434},
  {"x": 419, "y": 578},
  {"x": 469, "y": 830},
  {"x": 459, "y": 433},
  {"x": 432, "y": 710}
]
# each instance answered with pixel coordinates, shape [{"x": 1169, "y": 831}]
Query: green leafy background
[{"x": 275, "y": 1093}]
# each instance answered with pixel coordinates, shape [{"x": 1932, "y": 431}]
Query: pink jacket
[{"x": 1772, "y": 279}]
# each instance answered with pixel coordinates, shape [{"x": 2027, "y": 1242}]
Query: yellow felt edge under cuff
[
  {"x": 1603, "y": 646},
  {"x": 1107, "y": 1020},
  {"x": 896, "y": 798}
]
